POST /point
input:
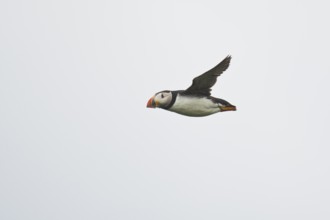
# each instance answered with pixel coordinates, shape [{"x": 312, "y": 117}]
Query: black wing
[{"x": 202, "y": 84}]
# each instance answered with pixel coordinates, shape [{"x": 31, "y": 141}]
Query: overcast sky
[{"x": 76, "y": 138}]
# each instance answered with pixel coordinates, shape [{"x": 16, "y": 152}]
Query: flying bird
[{"x": 196, "y": 101}]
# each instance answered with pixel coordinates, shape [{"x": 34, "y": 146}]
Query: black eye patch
[{"x": 162, "y": 95}]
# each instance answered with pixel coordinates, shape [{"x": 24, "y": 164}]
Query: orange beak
[{"x": 151, "y": 103}]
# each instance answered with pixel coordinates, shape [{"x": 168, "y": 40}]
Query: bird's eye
[{"x": 162, "y": 95}]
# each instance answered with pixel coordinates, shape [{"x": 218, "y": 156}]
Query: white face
[{"x": 163, "y": 99}]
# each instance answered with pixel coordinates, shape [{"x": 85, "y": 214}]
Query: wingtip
[
  {"x": 226, "y": 62},
  {"x": 227, "y": 59}
]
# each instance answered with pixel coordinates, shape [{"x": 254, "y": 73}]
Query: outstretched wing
[{"x": 202, "y": 84}]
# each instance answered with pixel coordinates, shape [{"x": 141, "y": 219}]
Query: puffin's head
[{"x": 160, "y": 100}]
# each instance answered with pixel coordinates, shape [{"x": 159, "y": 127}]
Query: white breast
[{"x": 194, "y": 106}]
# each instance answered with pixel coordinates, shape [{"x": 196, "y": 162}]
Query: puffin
[{"x": 196, "y": 101}]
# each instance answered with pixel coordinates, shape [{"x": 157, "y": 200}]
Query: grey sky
[{"x": 76, "y": 138}]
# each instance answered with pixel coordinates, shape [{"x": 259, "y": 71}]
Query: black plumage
[{"x": 202, "y": 84}]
